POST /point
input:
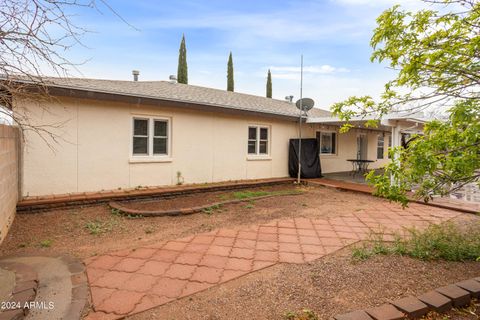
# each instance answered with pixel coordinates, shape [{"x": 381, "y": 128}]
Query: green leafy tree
[
  {"x": 182, "y": 71},
  {"x": 269, "y": 84},
  {"x": 437, "y": 56},
  {"x": 230, "y": 84}
]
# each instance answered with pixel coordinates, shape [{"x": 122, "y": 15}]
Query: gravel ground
[
  {"x": 65, "y": 230},
  {"x": 193, "y": 200},
  {"x": 331, "y": 285}
]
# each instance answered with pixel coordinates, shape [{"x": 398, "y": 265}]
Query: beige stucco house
[{"x": 124, "y": 134}]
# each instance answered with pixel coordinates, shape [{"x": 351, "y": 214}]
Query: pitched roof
[{"x": 165, "y": 90}]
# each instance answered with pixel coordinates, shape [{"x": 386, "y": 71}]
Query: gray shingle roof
[{"x": 165, "y": 90}]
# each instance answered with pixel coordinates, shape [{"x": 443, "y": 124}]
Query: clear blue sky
[{"x": 333, "y": 36}]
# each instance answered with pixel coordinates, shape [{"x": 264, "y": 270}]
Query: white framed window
[
  {"x": 380, "y": 146},
  {"x": 140, "y": 136},
  {"x": 150, "y": 137},
  {"x": 327, "y": 141},
  {"x": 258, "y": 140},
  {"x": 160, "y": 137}
]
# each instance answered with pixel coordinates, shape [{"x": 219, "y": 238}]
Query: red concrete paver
[
  {"x": 191, "y": 258},
  {"x": 207, "y": 274},
  {"x": 112, "y": 279},
  {"x": 129, "y": 264},
  {"x": 150, "y": 301},
  {"x": 194, "y": 287},
  {"x": 139, "y": 282},
  {"x": 104, "y": 262},
  {"x": 219, "y": 251},
  {"x": 224, "y": 241},
  {"x": 167, "y": 287},
  {"x": 126, "y": 282},
  {"x": 175, "y": 245},
  {"x": 180, "y": 271},
  {"x": 120, "y": 302},
  {"x": 165, "y": 255},
  {"x": 266, "y": 255},
  {"x": 291, "y": 257},
  {"x": 239, "y": 264},
  {"x": 142, "y": 253},
  {"x": 214, "y": 261},
  {"x": 267, "y": 245},
  {"x": 154, "y": 268},
  {"x": 242, "y": 253}
]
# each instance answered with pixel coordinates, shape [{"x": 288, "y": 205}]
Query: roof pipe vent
[
  {"x": 135, "y": 74},
  {"x": 173, "y": 79}
]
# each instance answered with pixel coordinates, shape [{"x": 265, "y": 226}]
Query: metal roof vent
[
  {"x": 135, "y": 74},
  {"x": 173, "y": 79}
]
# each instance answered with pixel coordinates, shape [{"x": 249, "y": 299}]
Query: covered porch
[
  {"x": 348, "y": 176},
  {"x": 347, "y": 156}
]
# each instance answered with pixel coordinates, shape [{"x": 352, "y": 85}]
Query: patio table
[{"x": 359, "y": 165}]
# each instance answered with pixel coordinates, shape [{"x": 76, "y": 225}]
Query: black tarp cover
[{"x": 310, "y": 159}]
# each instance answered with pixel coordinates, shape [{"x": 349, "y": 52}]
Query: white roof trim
[{"x": 385, "y": 120}]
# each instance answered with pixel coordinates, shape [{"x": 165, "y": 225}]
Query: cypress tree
[
  {"x": 182, "y": 71},
  {"x": 269, "y": 84},
  {"x": 230, "y": 73}
]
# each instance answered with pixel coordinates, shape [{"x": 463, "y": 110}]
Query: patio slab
[
  {"x": 356, "y": 186},
  {"x": 130, "y": 281}
]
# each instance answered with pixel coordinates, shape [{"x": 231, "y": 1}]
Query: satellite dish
[{"x": 306, "y": 104}]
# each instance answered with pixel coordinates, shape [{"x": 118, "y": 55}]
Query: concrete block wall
[{"x": 9, "y": 176}]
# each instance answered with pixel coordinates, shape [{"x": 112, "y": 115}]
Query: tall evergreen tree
[
  {"x": 182, "y": 71},
  {"x": 269, "y": 84},
  {"x": 230, "y": 73}
]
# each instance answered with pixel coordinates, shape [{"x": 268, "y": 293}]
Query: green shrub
[
  {"x": 250, "y": 194},
  {"x": 46, "y": 243},
  {"x": 446, "y": 241},
  {"x": 305, "y": 314},
  {"x": 97, "y": 227},
  {"x": 247, "y": 194},
  {"x": 211, "y": 209}
]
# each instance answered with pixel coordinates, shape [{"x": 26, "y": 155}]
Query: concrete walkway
[{"x": 131, "y": 281}]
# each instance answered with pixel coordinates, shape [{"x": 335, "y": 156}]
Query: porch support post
[{"x": 395, "y": 143}]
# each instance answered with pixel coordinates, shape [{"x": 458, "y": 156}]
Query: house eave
[{"x": 83, "y": 93}]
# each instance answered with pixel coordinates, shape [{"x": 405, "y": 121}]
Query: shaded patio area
[
  {"x": 466, "y": 199},
  {"x": 346, "y": 176}
]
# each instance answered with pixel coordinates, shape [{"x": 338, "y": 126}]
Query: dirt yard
[
  {"x": 327, "y": 286},
  {"x": 92, "y": 230}
]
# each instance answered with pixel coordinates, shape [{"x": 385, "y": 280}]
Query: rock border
[
  {"x": 36, "y": 204},
  {"x": 80, "y": 288},
  {"x": 24, "y": 292},
  {"x": 439, "y": 300},
  {"x": 185, "y": 211}
]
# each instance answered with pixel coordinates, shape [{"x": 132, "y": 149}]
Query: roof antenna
[{"x": 304, "y": 105}]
